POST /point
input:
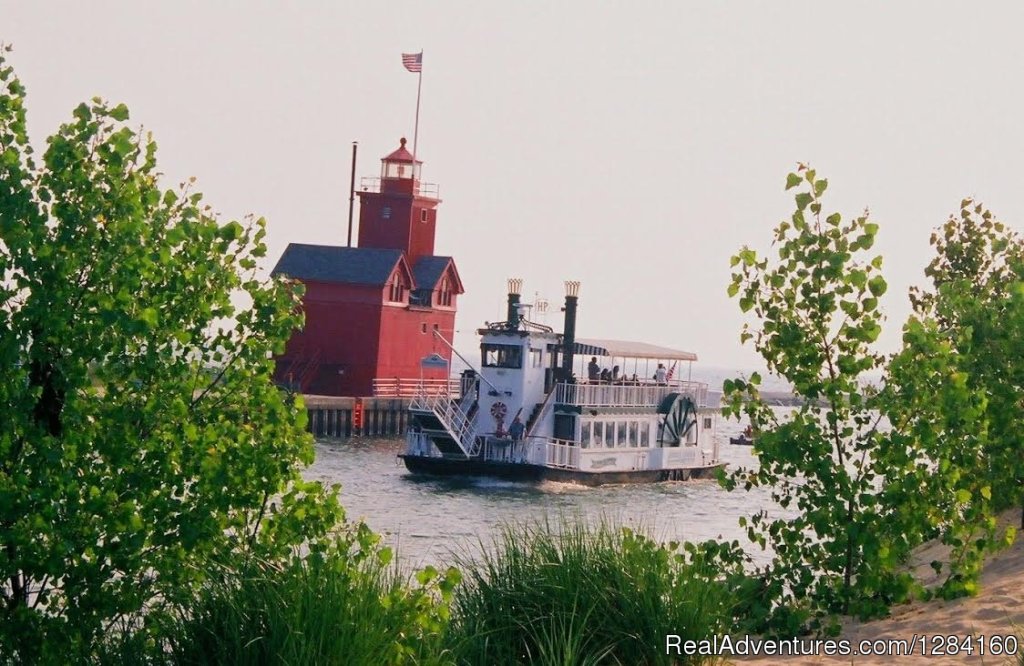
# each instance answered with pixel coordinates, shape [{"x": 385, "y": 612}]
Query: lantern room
[{"x": 399, "y": 171}]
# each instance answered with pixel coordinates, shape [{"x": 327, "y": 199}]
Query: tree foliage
[
  {"x": 955, "y": 396},
  {"x": 816, "y": 302},
  {"x": 141, "y": 437},
  {"x": 946, "y": 458}
]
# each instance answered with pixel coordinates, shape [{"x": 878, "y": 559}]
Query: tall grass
[
  {"x": 563, "y": 594},
  {"x": 330, "y": 610},
  {"x": 572, "y": 594}
]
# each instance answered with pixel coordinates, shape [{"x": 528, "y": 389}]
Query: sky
[{"x": 631, "y": 146}]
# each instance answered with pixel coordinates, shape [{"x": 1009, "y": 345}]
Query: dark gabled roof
[
  {"x": 345, "y": 265},
  {"x": 428, "y": 271}
]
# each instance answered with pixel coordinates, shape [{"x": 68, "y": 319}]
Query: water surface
[{"x": 427, "y": 518}]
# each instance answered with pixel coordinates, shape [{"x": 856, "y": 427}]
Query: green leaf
[
  {"x": 119, "y": 113},
  {"x": 877, "y": 286},
  {"x": 793, "y": 180}
]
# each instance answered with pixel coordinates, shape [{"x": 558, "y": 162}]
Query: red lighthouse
[{"x": 373, "y": 312}]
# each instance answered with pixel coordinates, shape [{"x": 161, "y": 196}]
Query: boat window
[
  {"x": 633, "y": 433},
  {"x": 535, "y": 358},
  {"x": 598, "y": 433},
  {"x": 502, "y": 356},
  {"x": 621, "y": 439},
  {"x": 645, "y": 432},
  {"x": 707, "y": 422},
  {"x": 585, "y": 435}
]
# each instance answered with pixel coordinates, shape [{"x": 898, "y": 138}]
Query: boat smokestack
[
  {"x": 515, "y": 287},
  {"x": 572, "y": 292}
]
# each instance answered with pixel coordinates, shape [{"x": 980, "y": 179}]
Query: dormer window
[
  {"x": 444, "y": 296},
  {"x": 396, "y": 291}
]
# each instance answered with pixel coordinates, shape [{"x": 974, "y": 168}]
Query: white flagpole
[{"x": 416, "y": 128}]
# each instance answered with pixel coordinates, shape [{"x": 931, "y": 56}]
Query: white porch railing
[
  {"x": 409, "y": 387},
  {"x": 628, "y": 395}
]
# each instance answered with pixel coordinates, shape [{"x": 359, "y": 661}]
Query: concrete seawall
[{"x": 331, "y": 416}]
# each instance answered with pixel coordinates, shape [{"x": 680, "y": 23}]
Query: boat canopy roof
[{"x": 629, "y": 349}]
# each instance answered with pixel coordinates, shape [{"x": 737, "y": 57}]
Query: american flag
[
  {"x": 413, "y": 61},
  {"x": 671, "y": 371}
]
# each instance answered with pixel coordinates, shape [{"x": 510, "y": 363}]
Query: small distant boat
[{"x": 746, "y": 438}]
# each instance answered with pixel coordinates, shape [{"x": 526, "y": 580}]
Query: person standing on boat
[
  {"x": 593, "y": 370},
  {"x": 516, "y": 430},
  {"x": 661, "y": 375}
]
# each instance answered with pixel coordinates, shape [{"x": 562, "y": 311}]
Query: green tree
[
  {"x": 141, "y": 438},
  {"x": 955, "y": 397},
  {"x": 816, "y": 303}
]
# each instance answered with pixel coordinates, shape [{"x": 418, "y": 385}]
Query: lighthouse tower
[
  {"x": 375, "y": 311},
  {"x": 400, "y": 212}
]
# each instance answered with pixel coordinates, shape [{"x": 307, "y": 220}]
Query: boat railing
[
  {"x": 410, "y": 387},
  {"x": 457, "y": 422},
  {"x": 553, "y": 452},
  {"x": 419, "y": 444},
  {"x": 628, "y": 395}
]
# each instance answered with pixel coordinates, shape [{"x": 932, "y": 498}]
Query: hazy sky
[{"x": 631, "y": 146}]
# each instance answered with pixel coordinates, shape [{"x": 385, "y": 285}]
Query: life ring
[{"x": 499, "y": 411}]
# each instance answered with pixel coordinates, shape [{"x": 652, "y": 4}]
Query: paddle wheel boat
[{"x": 533, "y": 411}]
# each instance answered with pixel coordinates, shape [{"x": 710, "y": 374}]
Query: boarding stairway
[{"x": 450, "y": 424}]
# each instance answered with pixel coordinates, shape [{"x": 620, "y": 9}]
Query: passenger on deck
[
  {"x": 593, "y": 370},
  {"x": 661, "y": 375},
  {"x": 635, "y": 380},
  {"x": 516, "y": 430},
  {"x": 606, "y": 375},
  {"x": 615, "y": 374}
]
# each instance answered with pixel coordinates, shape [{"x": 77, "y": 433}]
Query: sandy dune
[{"x": 997, "y": 611}]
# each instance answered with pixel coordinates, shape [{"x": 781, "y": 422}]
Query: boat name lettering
[{"x": 603, "y": 462}]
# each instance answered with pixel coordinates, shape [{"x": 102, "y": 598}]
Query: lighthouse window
[
  {"x": 707, "y": 422},
  {"x": 385, "y": 213},
  {"x": 396, "y": 292},
  {"x": 445, "y": 296},
  {"x": 502, "y": 356},
  {"x": 424, "y": 216}
]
